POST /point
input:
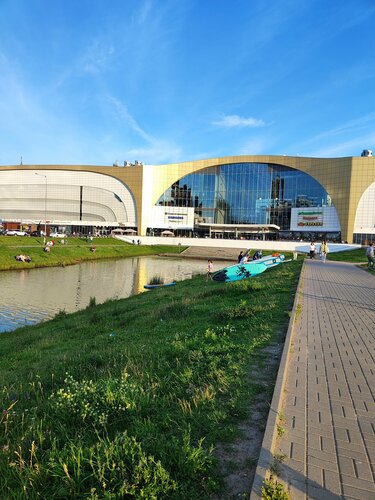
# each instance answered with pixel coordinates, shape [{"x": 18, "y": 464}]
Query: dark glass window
[{"x": 246, "y": 193}]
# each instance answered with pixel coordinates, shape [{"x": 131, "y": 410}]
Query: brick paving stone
[{"x": 328, "y": 401}]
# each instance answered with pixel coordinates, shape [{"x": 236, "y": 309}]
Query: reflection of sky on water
[{"x": 29, "y": 296}]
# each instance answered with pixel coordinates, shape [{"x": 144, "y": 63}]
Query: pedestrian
[
  {"x": 324, "y": 250},
  {"x": 210, "y": 267},
  {"x": 239, "y": 258},
  {"x": 370, "y": 256},
  {"x": 312, "y": 250}
]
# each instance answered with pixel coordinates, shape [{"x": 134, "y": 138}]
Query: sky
[{"x": 95, "y": 82}]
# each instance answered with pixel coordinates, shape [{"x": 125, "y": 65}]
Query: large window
[{"x": 246, "y": 193}]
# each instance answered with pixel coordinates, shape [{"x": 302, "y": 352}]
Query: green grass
[
  {"x": 129, "y": 398},
  {"x": 358, "y": 255},
  {"x": 76, "y": 250}
]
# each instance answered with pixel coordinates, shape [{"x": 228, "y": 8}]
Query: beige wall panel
[{"x": 345, "y": 179}]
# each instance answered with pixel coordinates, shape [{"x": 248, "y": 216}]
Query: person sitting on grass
[
  {"x": 23, "y": 258},
  {"x": 93, "y": 249}
]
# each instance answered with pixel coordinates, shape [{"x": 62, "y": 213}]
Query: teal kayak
[{"x": 248, "y": 269}]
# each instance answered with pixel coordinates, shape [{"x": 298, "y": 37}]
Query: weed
[
  {"x": 61, "y": 315},
  {"x": 298, "y": 312},
  {"x": 273, "y": 490},
  {"x": 277, "y": 460},
  {"x": 241, "y": 311},
  {"x": 92, "y": 302},
  {"x": 156, "y": 280}
]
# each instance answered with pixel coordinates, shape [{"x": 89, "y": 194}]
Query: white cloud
[{"x": 231, "y": 121}]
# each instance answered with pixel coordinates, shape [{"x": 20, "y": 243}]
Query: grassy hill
[{"x": 133, "y": 398}]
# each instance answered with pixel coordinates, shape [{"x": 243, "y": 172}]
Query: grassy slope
[
  {"x": 76, "y": 250},
  {"x": 128, "y": 397},
  {"x": 358, "y": 255}
]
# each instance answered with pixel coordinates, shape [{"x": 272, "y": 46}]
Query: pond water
[{"x": 30, "y": 296}]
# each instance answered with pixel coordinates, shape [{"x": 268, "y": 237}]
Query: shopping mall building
[{"x": 250, "y": 197}]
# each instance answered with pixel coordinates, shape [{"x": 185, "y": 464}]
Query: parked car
[
  {"x": 16, "y": 232},
  {"x": 58, "y": 235},
  {"x": 35, "y": 233}
]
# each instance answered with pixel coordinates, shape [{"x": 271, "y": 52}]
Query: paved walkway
[{"x": 327, "y": 395}]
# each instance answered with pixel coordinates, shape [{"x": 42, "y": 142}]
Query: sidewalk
[{"x": 325, "y": 396}]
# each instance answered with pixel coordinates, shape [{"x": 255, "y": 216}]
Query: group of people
[
  {"x": 323, "y": 250},
  {"x": 243, "y": 258},
  {"x": 48, "y": 246}
]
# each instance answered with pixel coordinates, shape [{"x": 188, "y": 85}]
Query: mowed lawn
[{"x": 73, "y": 250}]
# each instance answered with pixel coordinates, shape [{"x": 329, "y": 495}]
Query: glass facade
[{"x": 246, "y": 193}]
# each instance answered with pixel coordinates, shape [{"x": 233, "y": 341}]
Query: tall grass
[{"x": 129, "y": 398}]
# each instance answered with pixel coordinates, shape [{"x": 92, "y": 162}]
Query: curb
[{"x": 270, "y": 433}]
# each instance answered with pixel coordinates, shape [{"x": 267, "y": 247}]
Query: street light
[{"x": 45, "y": 205}]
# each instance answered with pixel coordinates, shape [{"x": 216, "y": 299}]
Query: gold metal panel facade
[{"x": 344, "y": 179}]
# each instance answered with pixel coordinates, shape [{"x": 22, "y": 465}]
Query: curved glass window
[{"x": 246, "y": 193}]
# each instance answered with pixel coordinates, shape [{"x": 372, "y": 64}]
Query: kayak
[
  {"x": 149, "y": 287},
  {"x": 248, "y": 269}
]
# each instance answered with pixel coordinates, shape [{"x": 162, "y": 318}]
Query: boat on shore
[
  {"x": 247, "y": 269},
  {"x": 159, "y": 285}
]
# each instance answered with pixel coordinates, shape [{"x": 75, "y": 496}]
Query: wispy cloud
[
  {"x": 154, "y": 151},
  {"x": 158, "y": 153},
  {"x": 97, "y": 57},
  {"x": 122, "y": 112},
  {"x": 231, "y": 121},
  {"x": 145, "y": 11},
  {"x": 352, "y": 147},
  {"x": 348, "y": 138}
]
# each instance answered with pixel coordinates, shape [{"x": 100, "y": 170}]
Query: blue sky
[{"x": 163, "y": 81}]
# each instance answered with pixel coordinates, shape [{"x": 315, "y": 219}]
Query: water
[{"x": 31, "y": 296}]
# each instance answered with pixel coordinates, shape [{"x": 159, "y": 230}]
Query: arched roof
[{"x": 345, "y": 179}]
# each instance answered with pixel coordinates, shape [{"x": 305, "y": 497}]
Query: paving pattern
[{"x": 328, "y": 397}]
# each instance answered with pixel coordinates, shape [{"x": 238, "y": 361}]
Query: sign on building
[{"x": 320, "y": 219}]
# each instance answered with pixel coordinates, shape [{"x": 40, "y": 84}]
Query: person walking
[
  {"x": 370, "y": 257},
  {"x": 210, "y": 268},
  {"x": 324, "y": 250},
  {"x": 312, "y": 250}
]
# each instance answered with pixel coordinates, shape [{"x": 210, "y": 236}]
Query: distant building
[{"x": 236, "y": 196}]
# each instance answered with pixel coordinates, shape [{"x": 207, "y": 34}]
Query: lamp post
[{"x": 45, "y": 206}]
